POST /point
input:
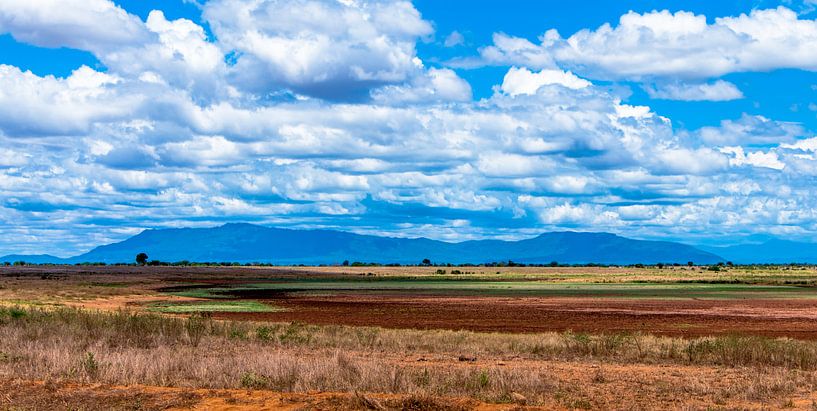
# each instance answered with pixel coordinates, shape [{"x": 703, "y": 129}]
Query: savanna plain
[{"x": 234, "y": 338}]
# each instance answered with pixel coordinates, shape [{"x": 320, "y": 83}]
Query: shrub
[
  {"x": 251, "y": 380},
  {"x": 89, "y": 365},
  {"x": 264, "y": 333},
  {"x": 196, "y": 327}
]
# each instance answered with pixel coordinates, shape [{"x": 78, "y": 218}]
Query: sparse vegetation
[
  {"x": 110, "y": 348},
  {"x": 213, "y": 306}
]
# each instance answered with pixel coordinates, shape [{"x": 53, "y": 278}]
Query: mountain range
[
  {"x": 774, "y": 251},
  {"x": 253, "y": 243}
]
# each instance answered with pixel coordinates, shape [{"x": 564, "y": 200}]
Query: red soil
[{"x": 684, "y": 318}]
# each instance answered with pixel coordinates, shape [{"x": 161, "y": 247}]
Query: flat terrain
[
  {"x": 313, "y": 337},
  {"x": 674, "y": 302}
]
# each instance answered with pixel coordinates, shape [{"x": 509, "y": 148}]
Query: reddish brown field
[{"x": 681, "y": 318}]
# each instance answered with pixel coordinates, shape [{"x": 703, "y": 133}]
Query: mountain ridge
[
  {"x": 242, "y": 242},
  {"x": 773, "y": 251}
]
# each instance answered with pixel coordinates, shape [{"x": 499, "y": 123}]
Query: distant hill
[
  {"x": 252, "y": 243},
  {"x": 769, "y": 252},
  {"x": 34, "y": 259}
]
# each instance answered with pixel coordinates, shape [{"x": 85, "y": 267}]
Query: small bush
[
  {"x": 196, "y": 327},
  {"x": 89, "y": 365},
  {"x": 264, "y": 333},
  {"x": 254, "y": 381}
]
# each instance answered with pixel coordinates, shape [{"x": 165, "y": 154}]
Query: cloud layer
[{"x": 321, "y": 114}]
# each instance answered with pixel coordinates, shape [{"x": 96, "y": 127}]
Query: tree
[
  {"x": 426, "y": 262},
  {"x": 690, "y": 263},
  {"x": 345, "y": 263},
  {"x": 141, "y": 258}
]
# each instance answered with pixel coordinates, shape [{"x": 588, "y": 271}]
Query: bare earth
[{"x": 684, "y": 318}]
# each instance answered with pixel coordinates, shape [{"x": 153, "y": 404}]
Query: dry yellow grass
[{"x": 571, "y": 370}]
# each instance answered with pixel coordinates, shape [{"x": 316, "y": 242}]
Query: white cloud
[
  {"x": 523, "y": 81},
  {"x": 328, "y": 49},
  {"x": 509, "y": 165},
  {"x": 454, "y": 39},
  {"x": 180, "y": 55},
  {"x": 93, "y": 25},
  {"x": 33, "y": 105},
  {"x": 509, "y": 50},
  {"x": 717, "y": 91},
  {"x": 661, "y": 44},
  {"x": 755, "y": 158},
  {"x": 750, "y": 131},
  {"x": 701, "y": 161},
  {"x": 437, "y": 85},
  {"x": 809, "y": 144}
]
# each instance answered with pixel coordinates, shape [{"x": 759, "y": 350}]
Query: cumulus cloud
[
  {"x": 658, "y": 46},
  {"x": 717, "y": 91},
  {"x": 523, "y": 81},
  {"x": 683, "y": 44},
  {"x": 93, "y": 25},
  {"x": 751, "y": 131},
  {"x": 436, "y": 85},
  {"x": 327, "y": 49},
  {"x": 179, "y": 55},
  {"x": 755, "y": 158},
  {"x": 33, "y": 105}
]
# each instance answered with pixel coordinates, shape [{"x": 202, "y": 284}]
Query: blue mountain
[
  {"x": 252, "y": 243},
  {"x": 34, "y": 259},
  {"x": 773, "y": 251}
]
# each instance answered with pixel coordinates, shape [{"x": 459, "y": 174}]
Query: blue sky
[{"x": 453, "y": 120}]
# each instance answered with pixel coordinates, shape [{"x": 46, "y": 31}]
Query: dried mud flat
[{"x": 682, "y": 318}]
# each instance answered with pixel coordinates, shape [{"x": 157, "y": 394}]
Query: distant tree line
[{"x": 142, "y": 259}]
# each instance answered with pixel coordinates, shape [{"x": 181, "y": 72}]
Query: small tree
[
  {"x": 690, "y": 263},
  {"x": 426, "y": 262},
  {"x": 141, "y": 258},
  {"x": 345, "y": 263}
]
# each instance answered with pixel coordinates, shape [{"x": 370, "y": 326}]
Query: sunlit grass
[{"x": 213, "y": 306}]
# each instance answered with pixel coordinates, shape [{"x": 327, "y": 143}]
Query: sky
[{"x": 689, "y": 121}]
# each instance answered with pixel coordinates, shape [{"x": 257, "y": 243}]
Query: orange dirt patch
[
  {"x": 682, "y": 318},
  {"x": 21, "y": 394}
]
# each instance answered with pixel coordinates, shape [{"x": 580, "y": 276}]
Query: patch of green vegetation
[{"x": 213, "y": 306}]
